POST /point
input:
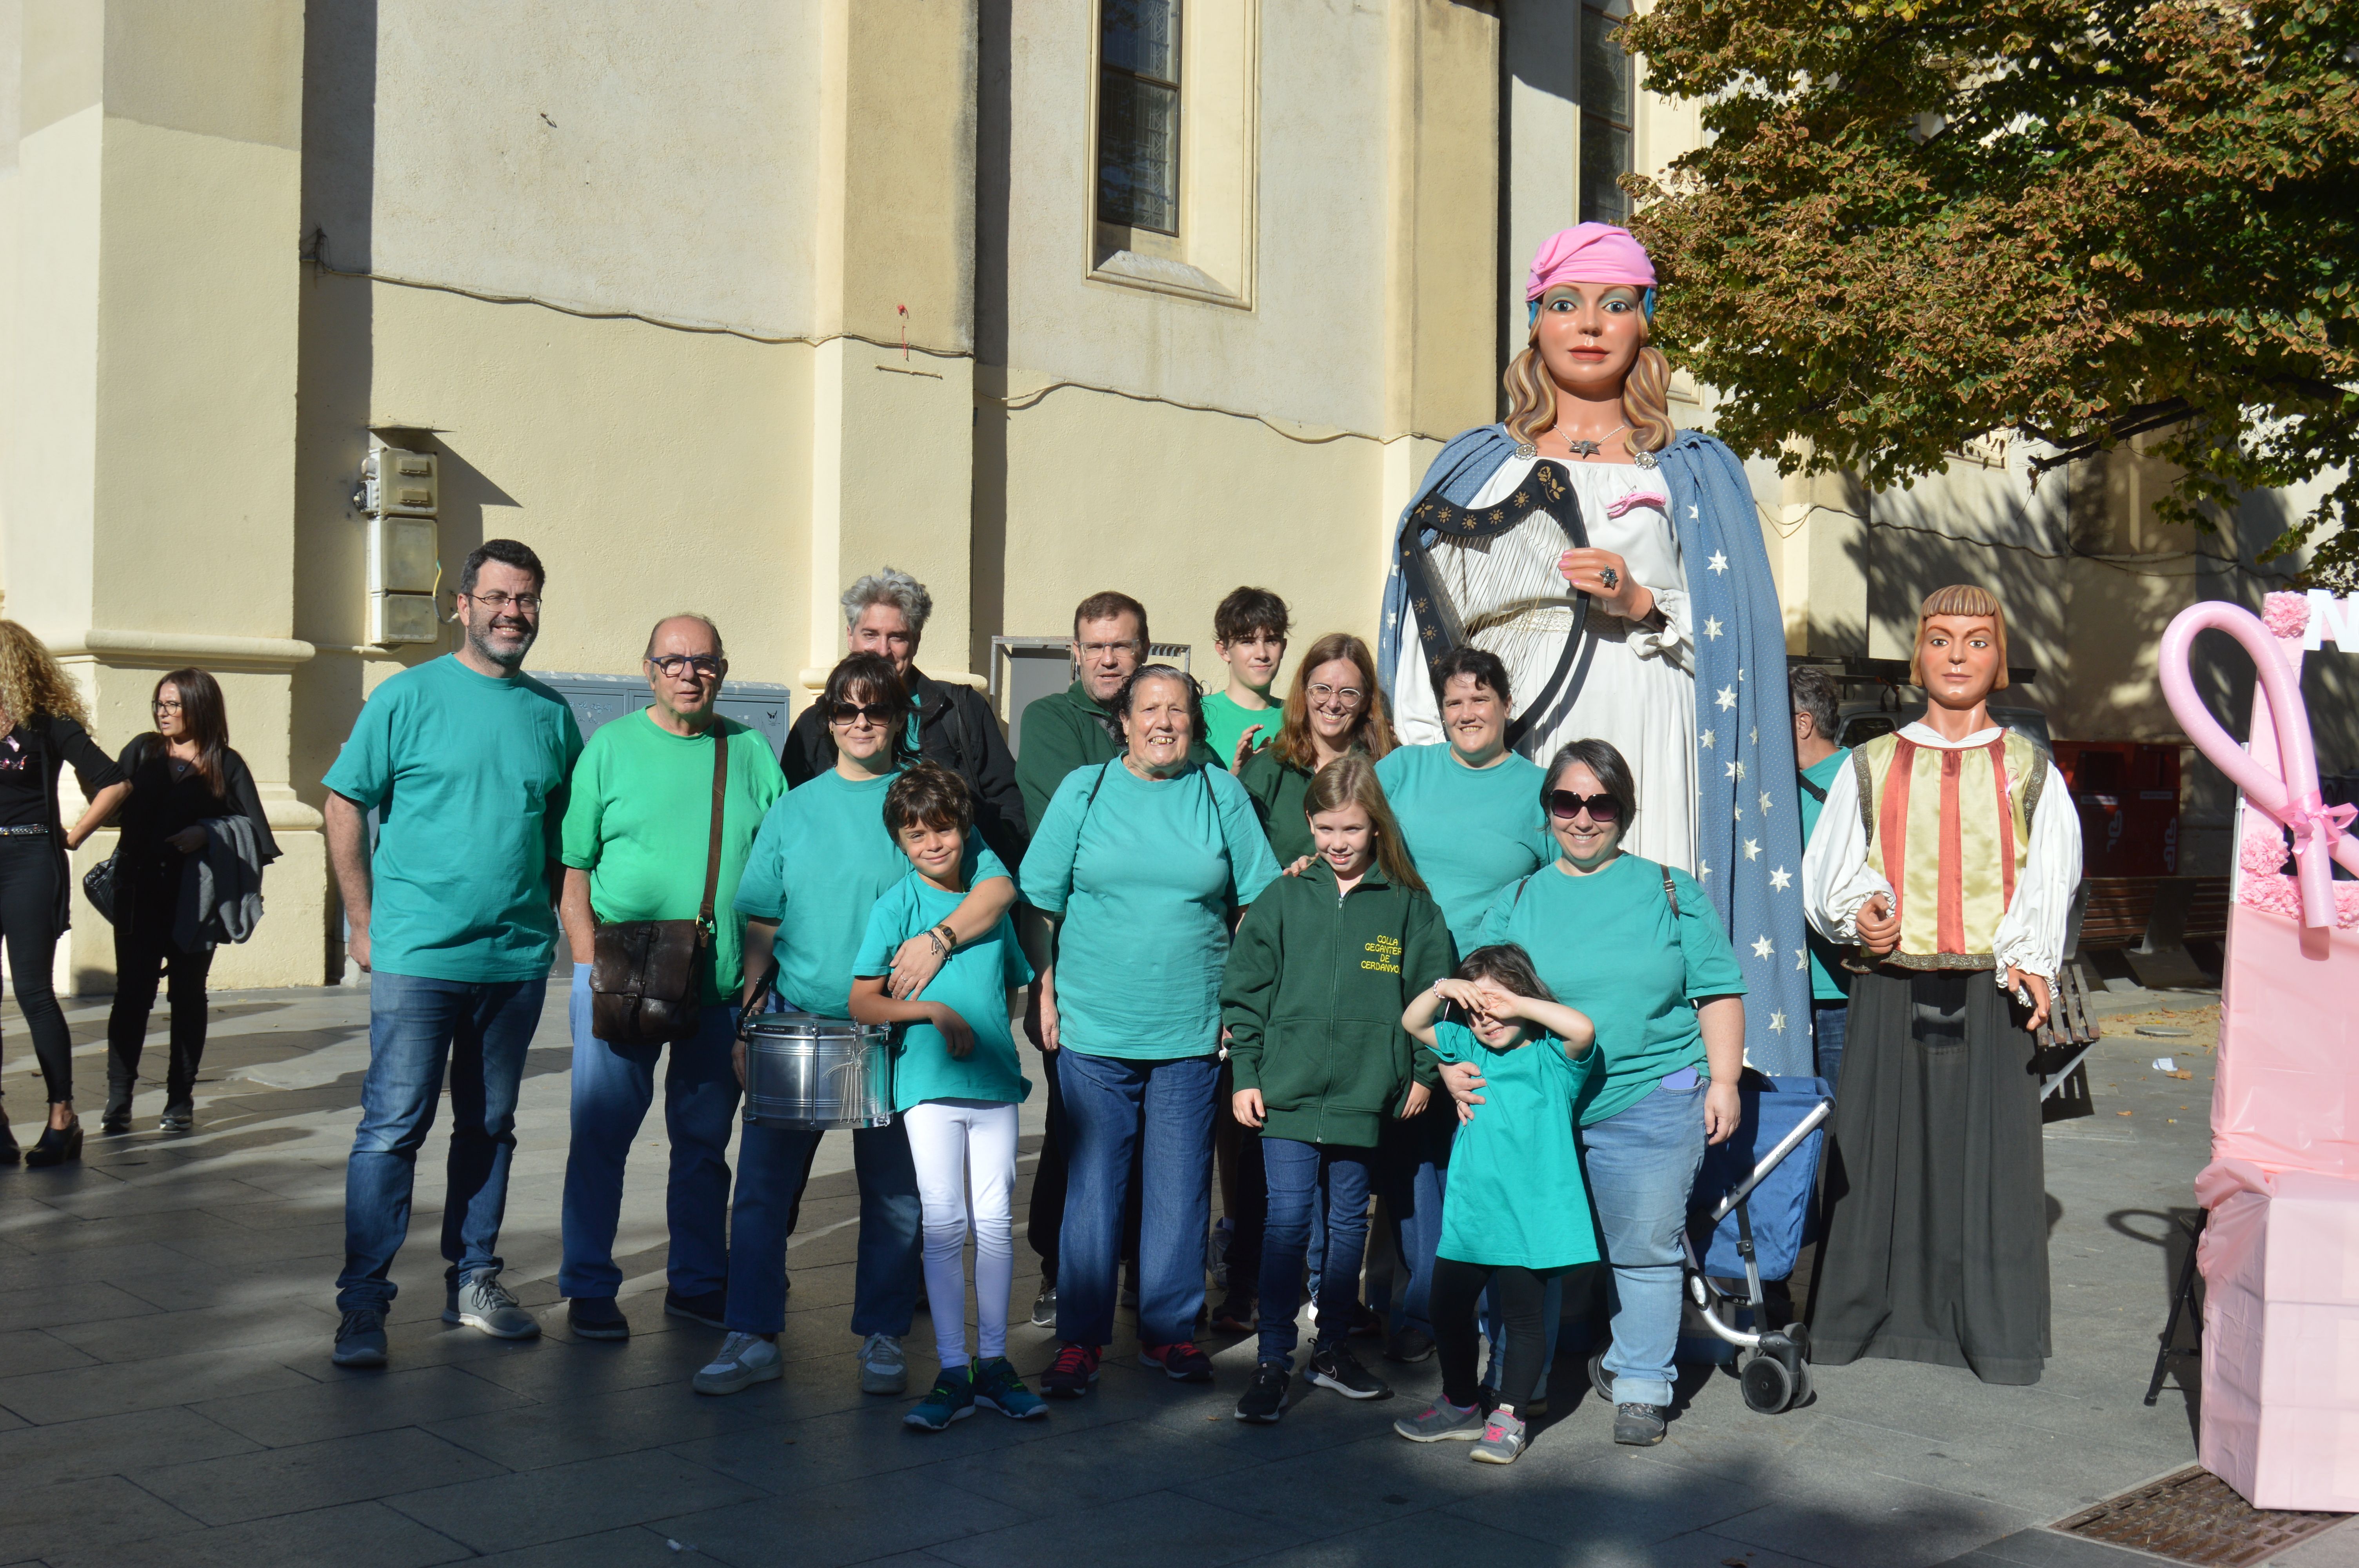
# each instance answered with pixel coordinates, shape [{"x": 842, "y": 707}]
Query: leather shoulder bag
[{"x": 643, "y": 973}]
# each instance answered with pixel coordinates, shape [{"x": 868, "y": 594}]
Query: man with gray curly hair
[{"x": 886, "y": 612}]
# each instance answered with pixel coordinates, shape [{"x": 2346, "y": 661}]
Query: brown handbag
[{"x": 643, "y": 973}]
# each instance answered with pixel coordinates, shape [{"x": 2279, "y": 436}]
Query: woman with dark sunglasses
[
  {"x": 1637, "y": 948},
  {"x": 821, "y": 861}
]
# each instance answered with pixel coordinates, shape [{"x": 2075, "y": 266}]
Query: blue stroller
[{"x": 1747, "y": 1220}]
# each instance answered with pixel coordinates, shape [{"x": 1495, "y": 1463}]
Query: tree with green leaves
[{"x": 1918, "y": 221}]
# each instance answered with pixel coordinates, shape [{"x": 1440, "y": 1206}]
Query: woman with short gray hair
[{"x": 886, "y": 612}]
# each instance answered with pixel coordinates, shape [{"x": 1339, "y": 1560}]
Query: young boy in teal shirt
[
  {"x": 957, "y": 1084},
  {"x": 1249, "y": 634}
]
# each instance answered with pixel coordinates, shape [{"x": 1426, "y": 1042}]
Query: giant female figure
[{"x": 1615, "y": 562}]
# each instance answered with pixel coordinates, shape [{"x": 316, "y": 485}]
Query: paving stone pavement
[{"x": 165, "y": 1396}]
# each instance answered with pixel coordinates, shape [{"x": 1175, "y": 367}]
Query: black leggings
[
  {"x": 142, "y": 957},
  {"x": 29, "y": 921},
  {"x": 1457, "y": 1293}
]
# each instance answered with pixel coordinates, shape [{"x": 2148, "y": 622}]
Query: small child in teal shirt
[
  {"x": 1516, "y": 1210},
  {"x": 956, "y": 1084}
]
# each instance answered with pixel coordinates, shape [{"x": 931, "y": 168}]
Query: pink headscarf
[{"x": 1590, "y": 253}]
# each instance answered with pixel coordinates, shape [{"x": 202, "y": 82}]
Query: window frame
[
  {"x": 1627, "y": 127},
  {"x": 1106, "y": 67}
]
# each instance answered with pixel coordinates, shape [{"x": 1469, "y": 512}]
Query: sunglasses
[
  {"x": 852, "y": 712},
  {"x": 1603, "y": 809}
]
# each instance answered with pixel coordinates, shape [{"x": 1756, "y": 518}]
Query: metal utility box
[{"x": 602, "y": 699}]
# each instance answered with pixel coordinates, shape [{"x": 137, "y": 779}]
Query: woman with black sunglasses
[{"x": 1635, "y": 947}]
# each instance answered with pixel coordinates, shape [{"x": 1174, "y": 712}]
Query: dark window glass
[
  {"x": 1607, "y": 88},
  {"x": 1138, "y": 115}
]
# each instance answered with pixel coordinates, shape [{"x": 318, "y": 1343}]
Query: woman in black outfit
[
  {"x": 182, "y": 775},
  {"x": 41, "y": 720}
]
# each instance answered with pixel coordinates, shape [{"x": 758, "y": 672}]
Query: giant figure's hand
[{"x": 1607, "y": 576}]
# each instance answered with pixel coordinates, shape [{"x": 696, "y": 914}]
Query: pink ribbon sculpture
[{"x": 2280, "y": 1248}]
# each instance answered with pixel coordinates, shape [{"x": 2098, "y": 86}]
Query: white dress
[{"x": 1636, "y": 686}]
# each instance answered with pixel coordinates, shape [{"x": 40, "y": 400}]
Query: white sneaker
[
  {"x": 745, "y": 1359},
  {"x": 883, "y": 1369}
]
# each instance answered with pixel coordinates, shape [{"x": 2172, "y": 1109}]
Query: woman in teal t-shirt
[
  {"x": 1637, "y": 948},
  {"x": 1143, "y": 863}
]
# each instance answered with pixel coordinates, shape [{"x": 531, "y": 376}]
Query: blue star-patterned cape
[{"x": 1749, "y": 833}]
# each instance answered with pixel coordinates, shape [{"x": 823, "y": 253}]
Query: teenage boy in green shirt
[{"x": 1249, "y": 634}]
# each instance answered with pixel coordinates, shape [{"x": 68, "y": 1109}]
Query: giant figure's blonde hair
[
  {"x": 31, "y": 684},
  {"x": 1646, "y": 394},
  {"x": 1959, "y": 599}
]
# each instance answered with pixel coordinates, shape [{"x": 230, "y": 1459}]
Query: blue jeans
[
  {"x": 613, "y": 1086},
  {"x": 482, "y": 1032},
  {"x": 1296, "y": 1172},
  {"x": 773, "y": 1163},
  {"x": 1641, "y": 1166},
  {"x": 1830, "y": 1022},
  {"x": 1413, "y": 1169},
  {"x": 1163, "y": 1109}
]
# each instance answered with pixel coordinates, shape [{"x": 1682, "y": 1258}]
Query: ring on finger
[{"x": 1611, "y": 578}]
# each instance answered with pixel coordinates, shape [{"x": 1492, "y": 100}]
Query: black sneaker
[
  {"x": 1264, "y": 1400},
  {"x": 1410, "y": 1346},
  {"x": 360, "y": 1339},
  {"x": 1640, "y": 1426},
  {"x": 1337, "y": 1368},
  {"x": 1044, "y": 1308},
  {"x": 596, "y": 1317},
  {"x": 180, "y": 1116},
  {"x": 709, "y": 1309}
]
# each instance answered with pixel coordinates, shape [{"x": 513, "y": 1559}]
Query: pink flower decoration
[
  {"x": 2264, "y": 851},
  {"x": 2280, "y": 895},
  {"x": 2287, "y": 615}
]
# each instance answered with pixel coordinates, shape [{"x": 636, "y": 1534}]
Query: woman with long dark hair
[
  {"x": 182, "y": 774},
  {"x": 41, "y": 730}
]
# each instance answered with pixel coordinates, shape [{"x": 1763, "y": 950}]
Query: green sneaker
[
  {"x": 951, "y": 1398},
  {"x": 997, "y": 1385}
]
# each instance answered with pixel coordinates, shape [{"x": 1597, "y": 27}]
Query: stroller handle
[{"x": 1816, "y": 1117}]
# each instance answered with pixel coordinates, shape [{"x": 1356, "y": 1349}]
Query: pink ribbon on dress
[
  {"x": 1621, "y": 503},
  {"x": 2293, "y": 802}
]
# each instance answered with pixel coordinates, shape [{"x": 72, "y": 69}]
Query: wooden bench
[{"x": 2152, "y": 919}]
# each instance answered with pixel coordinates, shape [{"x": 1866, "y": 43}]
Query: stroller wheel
[
  {"x": 1600, "y": 1378},
  {"x": 1768, "y": 1387}
]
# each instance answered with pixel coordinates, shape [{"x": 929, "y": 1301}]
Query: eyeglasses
[
  {"x": 854, "y": 712},
  {"x": 1100, "y": 650},
  {"x": 706, "y": 666},
  {"x": 1604, "y": 809},
  {"x": 1323, "y": 694},
  {"x": 166, "y": 707},
  {"x": 495, "y": 602}
]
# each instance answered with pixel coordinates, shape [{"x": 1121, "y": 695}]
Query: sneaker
[
  {"x": 883, "y": 1369},
  {"x": 178, "y": 1117},
  {"x": 745, "y": 1359},
  {"x": 480, "y": 1300},
  {"x": 1265, "y": 1398},
  {"x": 1410, "y": 1346},
  {"x": 1235, "y": 1314},
  {"x": 1640, "y": 1426},
  {"x": 951, "y": 1398},
  {"x": 709, "y": 1308},
  {"x": 116, "y": 1117},
  {"x": 1502, "y": 1440},
  {"x": 1044, "y": 1308},
  {"x": 997, "y": 1385},
  {"x": 1337, "y": 1368},
  {"x": 1442, "y": 1422},
  {"x": 1182, "y": 1363},
  {"x": 596, "y": 1317},
  {"x": 1069, "y": 1376},
  {"x": 360, "y": 1339}
]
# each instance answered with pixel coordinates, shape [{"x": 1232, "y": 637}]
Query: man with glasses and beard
[
  {"x": 638, "y": 834},
  {"x": 464, "y": 759}
]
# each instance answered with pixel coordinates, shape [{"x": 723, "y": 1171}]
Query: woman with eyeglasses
[
  {"x": 1635, "y": 945},
  {"x": 183, "y": 776},
  {"x": 1141, "y": 862},
  {"x": 1334, "y": 709},
  {"x": 823, "y": 858},
  {"x": 41, "y": 731}
]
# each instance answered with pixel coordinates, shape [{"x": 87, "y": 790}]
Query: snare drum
[{"x": 818, "y": 1074}]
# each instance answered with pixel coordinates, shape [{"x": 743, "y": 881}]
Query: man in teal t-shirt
[
  {"x": 1816, "y": 717},
  {"x": 464, "y": 760},
  {"x": 636, "y": 841}
]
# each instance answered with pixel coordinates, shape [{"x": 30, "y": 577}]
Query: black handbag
[
  {"x": 643, "y": 988},
  {"x": 98, "y": 885}
]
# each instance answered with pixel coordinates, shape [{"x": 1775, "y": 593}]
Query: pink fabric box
[
  {"x": 2286, "y": 1094},
  {"x": 2280, "y": 1263}
]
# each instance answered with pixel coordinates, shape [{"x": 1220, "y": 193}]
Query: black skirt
[{"x": 1936, "y": 1243}]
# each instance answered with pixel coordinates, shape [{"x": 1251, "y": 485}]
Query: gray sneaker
[
  {"x": 1442, "y": 1422},
  {"x": 480, "y": 1300},
  {"x": 1502, "y": 1440},
  {"x": 883, "y": 1369},
  {"x": 745, "y": 1359}
]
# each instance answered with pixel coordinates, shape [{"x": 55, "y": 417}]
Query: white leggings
[{"x": 953, "y": 1142}]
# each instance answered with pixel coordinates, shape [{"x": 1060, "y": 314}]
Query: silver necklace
[{"x": 1586, "y": 448}]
